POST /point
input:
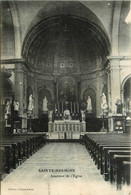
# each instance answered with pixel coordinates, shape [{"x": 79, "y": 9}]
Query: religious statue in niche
[
  {"x": 16, "y": 107},
  {"x": 45, "y": 102},
  {"x": 118, "y": 106},
  {"x": 128, "y": 105},
  {"x": 83, "y": 115},
  {"x": 31, "y": 105},
  {"x": 7, "y": 108},
  {"x": 50, "y": 115},
  {"x": 89, "y": 105},
  {"x": 104, "y": 105}
]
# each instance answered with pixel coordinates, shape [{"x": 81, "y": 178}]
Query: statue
[
  {"x": 129, "y": 105},
  {"x": 119, "y": 106},
  {"x": 67, "y": 114},
  {"x": 45, "y": 104},
  {"x": 89, "y": 105},
  {"x": 16, "y": 108},
  {"x": 50, "y": 115},
  {"x": 16, "y": 105},
  {"x": 83, "y": 115},
  {"x": 7, "y": 107},
  {"x": 30, "y": 106},
  {"x": 103, "y": 102}
]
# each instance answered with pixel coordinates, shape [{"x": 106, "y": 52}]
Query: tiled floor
[{"x": 32, "y": 177}]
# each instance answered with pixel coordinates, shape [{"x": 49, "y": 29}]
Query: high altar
[{"x": 66, "y": 129}]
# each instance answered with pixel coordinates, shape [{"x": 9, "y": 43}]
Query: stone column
[
  {"x": 98, "y": 94},
  {"x": 114, "y": 82},
  {"x": 19, "y": 86},
  {"x": 35, "y": 97}
]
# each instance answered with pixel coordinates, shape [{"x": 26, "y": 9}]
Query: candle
[
  {"x": 55, "y": 108},
  {"x": 71, "y": 107},
  {"x": 62, "y": 107},
  {"x": 74, "y": 108},
  {"x": 58, "y": 108},
  {"x": 77, "y": 107}
]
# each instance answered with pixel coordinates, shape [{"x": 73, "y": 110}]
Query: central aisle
[{"x": 57, "y": 169}]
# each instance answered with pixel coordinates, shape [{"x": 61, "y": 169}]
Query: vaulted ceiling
[
  {"x": 63, "y": 35},
  {"x": 66, "y": 42}
]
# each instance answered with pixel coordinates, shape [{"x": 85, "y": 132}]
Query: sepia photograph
[{"x": 65, "y": 113}]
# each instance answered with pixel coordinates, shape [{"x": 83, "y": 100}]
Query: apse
[{"x": 66, "y": 45}]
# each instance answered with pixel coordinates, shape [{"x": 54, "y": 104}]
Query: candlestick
[
  {"x": 71, "y": 107},
  {"x": 74, "y": 108},
  {"x": 58, "y": 107},
  {"x": 62, "y": 107},
  {"x": 77, "y": 107},
  {"x": 55, "y": 108}
]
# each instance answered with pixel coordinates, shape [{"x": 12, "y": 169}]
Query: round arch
[{"x": 35, "y": 34}]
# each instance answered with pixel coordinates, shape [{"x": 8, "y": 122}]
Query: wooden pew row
[
  {"x": 99, "y": 152},
  {"x": 104, "y": 157},
  {"x": 95, "y": 147},
  {"x": 21, "y": 152},
  {"x": 108, "y": 170},
  {"x": 102, "y": 148},
  {"x": 16, "y": 149}
]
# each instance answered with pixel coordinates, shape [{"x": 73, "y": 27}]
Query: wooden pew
[
  {"x": 118, "y": 167},
  {"x": 105, "y": 147},
  {"x": 126, "y": 172},
  {"x": 17, "y": 148},
  {"x": 111, "y": 161},
  {"x": 104, "y": 156}
]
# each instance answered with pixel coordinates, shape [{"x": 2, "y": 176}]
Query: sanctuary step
[{"x": 63, "y": 135}]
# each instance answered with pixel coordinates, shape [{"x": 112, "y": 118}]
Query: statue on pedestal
[
  {"x": 7, "y": 108},
  {"x": 16, "y": 107},
  {"x": 128, "y": 105},
  {"x": 45, "y": 102},
  {"x": 30, "y": 106},
  {"x": 83, "y": 115},
  {"x": 119, "y": 106},
  {"x": 50, "y": 115},
  {"x": 89, "y": 105},
  {"x": 104, "y": 105}
]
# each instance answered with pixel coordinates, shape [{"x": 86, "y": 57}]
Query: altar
[{"x": 66, "y": 129}]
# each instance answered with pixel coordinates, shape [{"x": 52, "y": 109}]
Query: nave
[{"x": 32, "y": 175}]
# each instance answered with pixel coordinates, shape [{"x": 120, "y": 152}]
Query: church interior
[{"x": 65, "y": 96}]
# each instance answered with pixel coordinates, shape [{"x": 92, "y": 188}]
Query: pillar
[
  {"x": 19, "y": 86},
  {"x": 98, "y": 96},
  {"x": 114, "y": 82},
  {"x": 35, "y": 97}
]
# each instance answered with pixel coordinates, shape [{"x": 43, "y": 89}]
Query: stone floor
[{"x": 39, "y": 174}]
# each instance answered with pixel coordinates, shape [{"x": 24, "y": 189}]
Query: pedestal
[
  {"x": 50, "y": 126},
  {"x": 83, "y": 126},
  {"x": 24, "y": 125}
]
